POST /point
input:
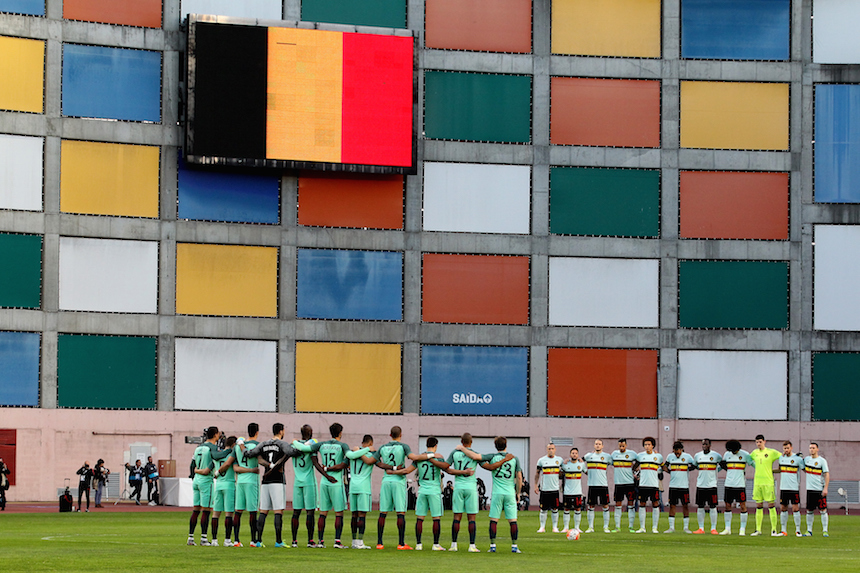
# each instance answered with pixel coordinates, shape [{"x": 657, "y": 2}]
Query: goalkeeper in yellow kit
[{"x": 763, "y": 488}]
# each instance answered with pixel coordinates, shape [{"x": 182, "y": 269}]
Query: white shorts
[{"x": 272, "y": 497}]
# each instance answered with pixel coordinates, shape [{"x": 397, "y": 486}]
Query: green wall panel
[
  {"x": 836, "y": 386},
  {"x": 608, "y": 202},
  {"x": 733, "y": 294},
  {"x": 116, "y": 372},
  {"x": 477, "y": 107},
  {"x": 383, "y": 13},
  {"x": 20, "y": 271}
]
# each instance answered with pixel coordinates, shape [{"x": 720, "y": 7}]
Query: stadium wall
[{"x": 606, "y": 265}]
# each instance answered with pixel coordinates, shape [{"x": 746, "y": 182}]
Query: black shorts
[
  {"x": 679, "y": 495},
  {"x": 625, "y": 491},
  {"x": 814, "y": 500},
  {"x": 787, "y": 498},
  {"x": 598, "y": 495},
  {"x": 548, "y": 500},
  {"x": 647, "y": 494},
  {"x": 707, "y": 496},
  {"x": 735, "y": 494},
  {"x": 573, "y": 502}
]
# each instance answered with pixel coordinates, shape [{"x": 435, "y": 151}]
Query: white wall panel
[
  {"x": 264, "y": 9},
  {"x": 835, "y": 36},
  {"x": 472, "y": 198},
  {"x": 836, "y": 305},
  {"x": 725, "y": 385},
  {"x": 21, "y": 172},
  {"x": 108, "y": 275},
  {"x": 232, "y": 375},
  {"x": 604, "y": 292},
  {"x": 517, "y": 446}
]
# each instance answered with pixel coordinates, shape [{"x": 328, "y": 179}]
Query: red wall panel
[
  {"x": 144, "y": 13},
  {"x": 479, "y": 25},
  {"x": 351, "y": 200}
]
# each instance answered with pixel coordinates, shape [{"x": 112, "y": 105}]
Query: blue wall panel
[
  {"x": 29, "y": 7},
  {"x": 474, "y": 380},
  {"x": 837, "y": 143},
  {"x": 111, "y": 83},
  {"x": 735, "y": 29},
  {"x": 19, "y": 369},
  {"x": 350, "y": 285},
  {"x": 229, "y": 197}
]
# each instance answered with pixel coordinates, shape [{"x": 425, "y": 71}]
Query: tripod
[{"x": 124, "y": 492}]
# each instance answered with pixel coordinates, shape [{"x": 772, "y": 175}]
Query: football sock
[
  {"x": 590, "y": 515},
  {"x": 493, "y": 526},
  {"x": 671, "y": 522},
  {"x": 687, "y": 522},
  {"x": 437, "y": 530},
  {"x": 577, "y": 517},
  {"x": 419, "y": 529},
  {"x": 401, "y": 529},
  {"x": 192, "y": 525},
  {"x": 773, "y": 518},
  {"x": 744, "y": 517},
  {"x": 279, "y": 528},
  {"x": 362, "y": 520},
  {"x": 727, "y": 517},
  {"x": 237, "y": 522},
  {"x": 566, "y": 519},
  {"x": 380, "y": 528},
  {"x": 825, "y": 519},
  {"x": 655, "y": 516},
  {"x": 214, "y": 528},
  {"x": 455, "y": 530},
  {"x": 606, "y": 518},
  {"x": 309, "y": 524},
  {"x": 796, "y": 520},
  {"x": 631, "y": 516},
  {"x": 321, "y": 527},
  {"x": 700, "y": 515},
  {"x": 204, "y": 523},
  {"x": 542, "y": 518},
  {"x": 228, "y": 527},
  {"x": 759, "y": 518},
  {"x": 515, "y": 532},
  {"x": 713, "y": 518},
  {"x": 353, "y": 526},
  {"x": 261, "y": 525},
  {"x": 783, "y": 520},
  {"x": 338, "y": 527},
  {"x": 617, "y": 517},
  {"x": 642, "y": 513},
  {"x": 473, "y": 529},
  {"x": 555, "y": 519},
  {"x": 294, "y": 524},
  {"x": 252, "y": 517}
]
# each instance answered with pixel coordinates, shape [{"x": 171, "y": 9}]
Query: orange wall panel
[
  {"x": 594, "y": 382},
  {"x": 615, "y": 113},
  {"x": 734, "y": 205},
  {"x": 479, "y": 25},
  {"x": 351, "y": 200},
  {"x": 475, "y": 289},
  {"x": 144, "y": 13}
]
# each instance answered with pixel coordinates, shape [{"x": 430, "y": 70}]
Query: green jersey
[
  {"x": 303, "y": 466},
  {"x": 764, "y": 460},
  {"x": 251, "y": 463},
  {"x": 203, "y": 460},
  {"x": 332, "y": 453},
  {"x": 460, "y": 461},
  {"x": 429, "y": 477},
  {"x": 227, "y": 480},
  {"x": 359, "y": 472},
  {"x": 394, "y": 454},
  {"x": 505, "y": 476}
]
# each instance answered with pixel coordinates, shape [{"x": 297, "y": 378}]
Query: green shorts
[
  {"x": 247, "y": 496},
  {"x": 332, "y": 497},
  {"x": 465, "y": 500},
  {"x": 202, "y": 493},
  {"x": 225, "y": 499},
  {"x": 763, "y": 492},
  {"x": 431, "y": 502},
  {"x": 359, "y": 501},
  {"x": 392, "y": 497},
  {"x": 305, "y": 496},
  {"x": 506, "y": 502}
]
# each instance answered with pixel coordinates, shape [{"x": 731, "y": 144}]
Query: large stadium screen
[{"x": 286, "y": 97}]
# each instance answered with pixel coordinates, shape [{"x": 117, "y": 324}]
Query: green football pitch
[{"x": 156, "y": 542}]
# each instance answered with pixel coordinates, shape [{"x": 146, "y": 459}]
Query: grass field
[{"x": 156, "y": 541}]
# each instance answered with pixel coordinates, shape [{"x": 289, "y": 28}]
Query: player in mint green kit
[
  {"x": 225, "y": 495},
  {"x": 790, "y": 465},
  {"x": 247, "y": 485},
  {"x": 735, "y": 462},
  {"x": 203, "y": 466},
  {"x": 650, "y": 463},
  {"x": 507, "y": 482},
  {"x": 332, "y": 493},
  {"x": 361, "y": 462},
  {"x": 305, "y": 489},
  {"x": 392, "y": 494},
  {"x": 466, "y": 488}
]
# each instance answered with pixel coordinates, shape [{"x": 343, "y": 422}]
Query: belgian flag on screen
[{"x": 301, "y": 95}]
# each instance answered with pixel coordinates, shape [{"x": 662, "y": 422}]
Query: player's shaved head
[
  {"x": 501, "y": 443},
  {"x": 307, "y": 432},
  {"x": 336, "y": 430},
  {"x": 466, "y": 439},
  {"x": 396, "y": 432}
]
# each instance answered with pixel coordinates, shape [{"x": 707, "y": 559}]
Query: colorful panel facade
[
  {"x": 836, "y": 277},
  {"x": 734, "y": 205},
  {"x": 834, "y": 27},
  {"x": 21, "y": 279},
  {"x": 602, "y": 382},
  {"x": 351, "y": 200},
  {"x": 604, "y": 202},
  {"x": 21, "y": 172},
  {"x": 22, "y": 65},
  {"x": 144, "y": 13},
  {"x": 28, "y": 7},
  {"x": 349, "y": 285},
  {"x": 19, "y": 368},
  {"x": 474, "y": 380},
  {"x": 382, "y": 13},
  {"x": 835, "y": 383},
  {"x": 735, "y": 29},
  {"x": 475, "y": 289},
  {"x": 615, "y": 113},
  {"x": 348, "y": 378},
  {"x": 624, "y": 28},
  {"x": 836, "y": 170},
  {"x": 479, "y": 25}
]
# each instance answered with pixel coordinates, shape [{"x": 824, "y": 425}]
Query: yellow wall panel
[
  {"x": 226, "y": 280},
  {"x": 337, "y": 377},
  {"x": 109, "y": 179},
  {"x": 22, "y": 74},
  {"x": 628, "y": 28},
  {"x": 304, "y": 107},
  {"x": 734, "y": 115}
]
